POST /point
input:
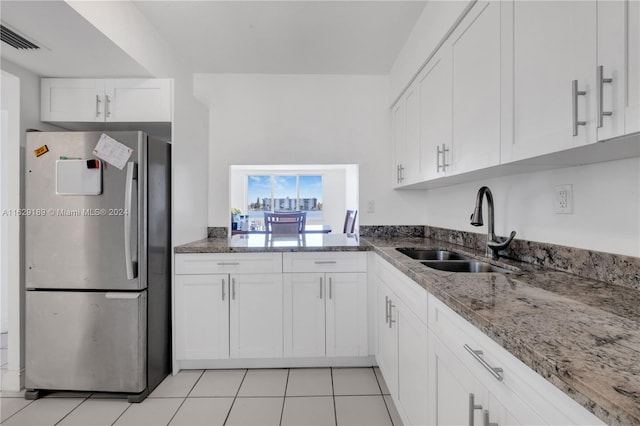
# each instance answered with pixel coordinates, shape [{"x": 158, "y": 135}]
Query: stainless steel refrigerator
[{"x": 97, "y": 263}]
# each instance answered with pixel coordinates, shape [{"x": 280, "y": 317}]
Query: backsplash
[
  {"x": 607, "y": 267},
  {"x": 382, "y": 231},
  {"x": 217, "y": 232}
]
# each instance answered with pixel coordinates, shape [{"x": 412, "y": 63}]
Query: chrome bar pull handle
[
  {"x": 444, "y": 157},
  {"x": 438, "y": 152},
  {"x": 600, "y": 81},
  {"x": 107, "y": 105},
  {"x": 233, "y": 289},
  {"x": 330, "y": 288},
  {"x": 477, "y": 354},
  {"x": 398, "y": 173},
  {"x": 574, "y": 105},
  {"x": 472, "y": 408},
  {"x": 401, "y": 173},
  {"x": 228, "y": 263},
  {"x": 485, "y": 419},
  {"x": 98, "y": 106},
  {"x": 386, "y": 309},
  {"x": 325, "y": 262},
  {"x": 131, "y": 266},
  {"x": 391, "y": 320},
  {"x": 320, "y": 287},
  {"x": 222, "y": 287}
]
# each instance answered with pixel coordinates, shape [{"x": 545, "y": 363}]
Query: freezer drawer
[{"x": 86, "y": 341}]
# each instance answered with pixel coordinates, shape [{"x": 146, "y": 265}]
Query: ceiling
[
  {"x": 293, "y": 37},
  {"x": 306, "y": 37},
  {"x": 70, "y": 46}
]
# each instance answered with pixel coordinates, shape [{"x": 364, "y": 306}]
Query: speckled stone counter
[
  {"x": 580, "y": 334},
  {"x": 267, "y": 243}
]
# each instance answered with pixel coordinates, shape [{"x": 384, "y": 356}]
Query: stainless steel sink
[
  {"x": 469, "y": 266},
  {"x": 427, "y": 254}
]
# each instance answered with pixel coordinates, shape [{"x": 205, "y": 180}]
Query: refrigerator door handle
[
  {"x": 121, "y": 295},
  {"x": 131, "y": 266}
]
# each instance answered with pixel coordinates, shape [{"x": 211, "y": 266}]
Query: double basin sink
[{"x": 450, "y": 261}]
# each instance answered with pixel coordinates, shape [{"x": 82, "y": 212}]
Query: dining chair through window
[
  {"x": 285, "y": 223},
  {"x": 350, "y": 221}
]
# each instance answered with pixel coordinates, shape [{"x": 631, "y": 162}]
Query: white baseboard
[{"x": 366, "y": 361}]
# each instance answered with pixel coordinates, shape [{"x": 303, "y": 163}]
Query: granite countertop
[
  {"x": 255, "y": 243},
  {"x": 580, "y": 334}
]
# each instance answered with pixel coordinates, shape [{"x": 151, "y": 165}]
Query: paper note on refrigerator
[{"x": 112, "y": 151}]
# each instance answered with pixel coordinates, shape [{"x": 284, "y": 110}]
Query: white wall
[
  {"x": 606, "y": 206},
  {"x": 433, "y": 25},
  {"x": 304, "y": 119},
  {"x": 20, "y": 90},
  {"x": 123, "y": 23}
]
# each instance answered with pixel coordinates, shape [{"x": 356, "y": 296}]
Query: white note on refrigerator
[{"x": 112, "y": 151}]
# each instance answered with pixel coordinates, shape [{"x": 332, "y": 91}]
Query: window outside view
[{"x": 284, "y": 193}]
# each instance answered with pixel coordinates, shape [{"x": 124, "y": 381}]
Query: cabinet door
[
  {"x": 143, "y": 100},
  {"x": 387, "y": 353},
  {"x": 632, "y": 95},
  {"x": 435, "y": 114},
  {"x": 411, "y": 171},
  {"x": 71, "y": 99},
  {"x": 256, "y": 316},
  {"x": 451, "y": 385},
  {"x": 202, "y": 316},
  {"x": 612, "y": 57},
  {"x": 304, "y": 315},
  {"x": 554, "y": 44},
  {"x": 413, "y": 367},
  {"x": 398, "y": 122},
  {"x": 475, "y": 55},
  {"x": 346, "y": 314}
]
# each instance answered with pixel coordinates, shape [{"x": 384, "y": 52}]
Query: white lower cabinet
[
  {"x": 325, "y": 313},
  {"x": 441, "y": 370},
  {"x": 255, "y": 316},
  {"x": 239, "y": 309},
  {"x": 402, "y": 353},
  {"x": 228, "y": 306},
  {"x": 201, "y": 305}
]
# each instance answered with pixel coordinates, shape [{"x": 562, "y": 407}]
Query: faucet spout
[{"x": 494, "y": 244}]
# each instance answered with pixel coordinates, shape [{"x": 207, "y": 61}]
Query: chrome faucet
[{"x": 494, "y": 244}]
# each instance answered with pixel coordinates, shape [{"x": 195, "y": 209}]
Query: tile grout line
[
  {"x": 246, "y": 371},
  {"x": 382, "y": 394},
  {"x": 185, "y": 398},
  {"x": 284, "y": 396},
  {"x": 73, "y": 409},
  {"x": 333, "y": 395},
  {"x": 31, "y": 402}
]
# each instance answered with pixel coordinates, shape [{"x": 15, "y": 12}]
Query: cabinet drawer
[
  {"x": 215, "y": 263},
  {"x": 548, "y": 401},
  {"x": 407, "y": 290},
  {"x": 325, "y": 262}
]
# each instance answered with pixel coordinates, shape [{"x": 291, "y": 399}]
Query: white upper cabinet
[
  {"x": 105, "y": 100},
  {"x": 140, "y": 100},
  {"x": 632, "y": 92},
  {"x": 72, "y": 99},
  {"x": 476, "y": 68},
  {"x": 435, "y": 115},
  {"x": 406, "y": 137},
  {"x": 554, "y": 44}
]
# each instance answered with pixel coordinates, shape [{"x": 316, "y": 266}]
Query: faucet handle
[{"x": 497, "y": 245}]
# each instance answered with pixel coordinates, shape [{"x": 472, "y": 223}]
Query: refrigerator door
[
  {"x": 81, "y": 241},
  {"x": 86, "y": 341}
]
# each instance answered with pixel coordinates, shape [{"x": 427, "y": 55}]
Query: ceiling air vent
[{"x": 16, "y": 40}]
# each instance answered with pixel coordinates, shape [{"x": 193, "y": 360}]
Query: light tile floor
[{"x": 255, "y": 397}]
